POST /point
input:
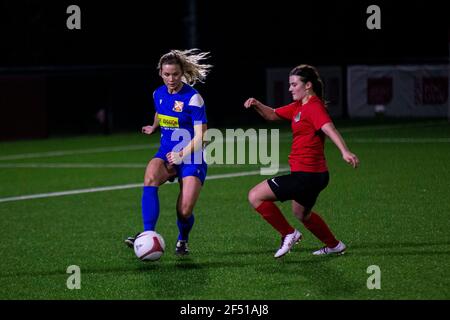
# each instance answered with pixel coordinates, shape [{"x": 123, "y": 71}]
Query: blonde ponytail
[{"x": 190, "y": 62}]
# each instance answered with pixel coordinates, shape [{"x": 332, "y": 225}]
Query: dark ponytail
[{"x": 309, "y": 73}]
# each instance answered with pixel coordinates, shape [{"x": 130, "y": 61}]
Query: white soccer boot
[
  {"x": 338, "y": 250},
  {"x": 288, "y": 242}
]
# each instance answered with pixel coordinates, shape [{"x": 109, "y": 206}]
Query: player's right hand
[
  {"x": 148, "y": 129},
  {"x": 251, "y": 102}
]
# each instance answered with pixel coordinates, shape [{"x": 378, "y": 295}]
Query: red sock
[
  {"x": 319, "y": 228},
  {"x": 270, "y": 212}
]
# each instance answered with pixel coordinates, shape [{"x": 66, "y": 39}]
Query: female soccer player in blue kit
[{"x": 180, "y": 114}]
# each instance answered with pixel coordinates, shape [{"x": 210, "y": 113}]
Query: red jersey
[{"x": 307, "y": 152}]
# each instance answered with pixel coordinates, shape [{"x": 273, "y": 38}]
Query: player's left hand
[
  {"x": 351, "y": 159},
  {"x": 174, "y": 157}
]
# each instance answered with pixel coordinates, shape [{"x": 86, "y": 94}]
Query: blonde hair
[{"x": 189, "y": 62}]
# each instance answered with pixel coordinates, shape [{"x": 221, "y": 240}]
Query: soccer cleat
[
  {"x": 182, "y": 248},
  {"x": 338, "y": 250},
  {"x": 288, "y": 242},
  {"x": 130, "y": 240}
]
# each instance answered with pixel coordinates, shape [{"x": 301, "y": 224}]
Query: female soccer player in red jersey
[{"x": 309, "y": 173}]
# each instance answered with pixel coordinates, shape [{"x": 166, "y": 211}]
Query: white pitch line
[
  {"x": 390, "y": 127},
  {"x": 145, "y": 146},
  {"x": 37, "y": 165},
  {"x": 389, "y": 140},
  {"x": 121, "y": 187},
  {"x": 79, "y": 151},
  {"x": 74, "y": 165},
  {"x": 70, "y": 192},
  {"x": 399, "y": 140}
]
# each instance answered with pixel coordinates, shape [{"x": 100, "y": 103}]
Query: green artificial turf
[{"x": 392, "y": 212}]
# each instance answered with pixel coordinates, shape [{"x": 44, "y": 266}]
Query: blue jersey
[{"x": 181, "y": 110}]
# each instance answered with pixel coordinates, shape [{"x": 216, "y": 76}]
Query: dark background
[{"x": 55, "y": 80}]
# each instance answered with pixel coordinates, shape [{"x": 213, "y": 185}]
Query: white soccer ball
[{"x": 149, "y": 246}]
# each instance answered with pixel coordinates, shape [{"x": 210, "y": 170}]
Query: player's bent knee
[
  {"x": 151, "y": 180},
  {"x": 253, "y": 198},
  {"x": 185, "y": 211}
]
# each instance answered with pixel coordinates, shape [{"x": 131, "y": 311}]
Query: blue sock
[
  {"x": 185, "y": 226},
  {"x": 150, "y": 207}
]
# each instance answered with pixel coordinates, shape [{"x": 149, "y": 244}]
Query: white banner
[{"x": 398, "y": 91}]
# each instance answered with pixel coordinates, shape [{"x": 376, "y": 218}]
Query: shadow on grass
[
  {"x": 177, "y": 277},
  {"x": 399, "y": 248},
  {"x": 163, "y": 266},
  {"x": 127, "y": 266},
  {"x": 360, "y": 249},
  {"x": 322, "y": 275},
  {"x": 388, "y": 245},
  {"x": 298, "y": 256}
]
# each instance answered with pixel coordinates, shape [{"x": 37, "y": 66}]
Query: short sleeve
[
  {"x": 155, "y": 100},
  {"x": 285, "y": 112},
  {"x": 198, "y": 110},
  {"x": 319, "y": 116}
]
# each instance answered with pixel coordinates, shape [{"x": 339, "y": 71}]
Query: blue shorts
[{"x": 186, "y": 169}]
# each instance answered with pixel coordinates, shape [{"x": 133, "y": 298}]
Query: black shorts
[{"x": 303, "y": 187}]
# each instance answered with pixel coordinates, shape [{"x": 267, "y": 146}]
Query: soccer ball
[{"x": 149, "y": 246}]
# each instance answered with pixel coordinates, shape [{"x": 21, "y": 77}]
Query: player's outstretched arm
[
  {"x": 265, "y": 111},
  {"x": 330, "y": 130},
  {"x": 151, "y": 129}
]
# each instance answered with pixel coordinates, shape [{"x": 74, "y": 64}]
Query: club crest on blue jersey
[{"x": 178, "y": 106}]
